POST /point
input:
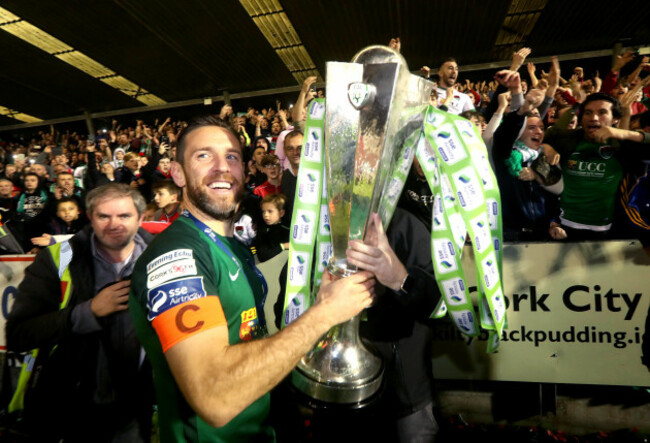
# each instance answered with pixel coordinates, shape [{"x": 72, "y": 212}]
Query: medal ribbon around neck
[{"x": 217, "y": 241}]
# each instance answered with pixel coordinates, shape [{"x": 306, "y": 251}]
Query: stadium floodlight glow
[
  {"x": 276, "y": 27},
  {"x": 16, "y": 115},
  {"x": 35, "y": 36}
]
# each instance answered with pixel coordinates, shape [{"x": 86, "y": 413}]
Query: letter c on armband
[{"x": 179, "y": 319}]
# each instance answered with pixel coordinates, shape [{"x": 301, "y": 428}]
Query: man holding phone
[{"x": 93, "y": 384}]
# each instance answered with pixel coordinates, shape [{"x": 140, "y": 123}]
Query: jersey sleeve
[{"x": 179, "y": 300}]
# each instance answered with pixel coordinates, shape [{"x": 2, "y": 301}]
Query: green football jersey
[
  {"x": 177, "y": 272},
  {"x": 591, "y": 176}
]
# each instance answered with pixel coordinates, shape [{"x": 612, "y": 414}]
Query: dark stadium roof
[{"x": 173, "y": 53}]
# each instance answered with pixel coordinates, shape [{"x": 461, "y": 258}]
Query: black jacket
[
  {"x": 398, "y": 326},
  {"x": 268, "y": 240},
  {"x": 94, "y": 177},
  {"x": 526, "y": 205},
  {"x": 88, "y": 381}
]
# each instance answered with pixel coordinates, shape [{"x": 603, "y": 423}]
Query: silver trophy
[{"x": 373, "y": 104}]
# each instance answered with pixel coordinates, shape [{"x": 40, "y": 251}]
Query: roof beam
[
  {"x": 35, "y": 36},
  {"x": 274, "y": 24},
  {"x": 561, "y": 57},
  {"x": 645, "y": 50}
]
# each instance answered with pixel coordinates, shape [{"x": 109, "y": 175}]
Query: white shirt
[{"x": 460, "y": 103}]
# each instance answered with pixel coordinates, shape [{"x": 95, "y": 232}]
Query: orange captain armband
[{"x": 187, "y": 319}]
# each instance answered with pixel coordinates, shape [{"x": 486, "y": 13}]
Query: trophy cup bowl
[{"x": 364, "y": 109}]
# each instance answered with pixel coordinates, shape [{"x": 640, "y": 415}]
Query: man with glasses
[
  {"x": 292, "y": 149},
  {"x": 271, "y": 166}
]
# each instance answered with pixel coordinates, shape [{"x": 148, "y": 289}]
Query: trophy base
[
  {"x": 332, "y": 392},
  {"x": 339, "y": 369}
]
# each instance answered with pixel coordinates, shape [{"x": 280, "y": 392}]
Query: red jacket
[{"x": 267, "y": 188}]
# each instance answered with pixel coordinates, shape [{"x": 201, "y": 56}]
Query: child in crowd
[
  {"x": 33, "y": 201},
  {"x": 68, "y": 221},
  {"x": 149, "y": 213},
  {"x": 167, "y": 197},
  {"x": 150, "y": 222},
  {"x": 273, "y": 237},
  {"x": 271, "y": 165}
]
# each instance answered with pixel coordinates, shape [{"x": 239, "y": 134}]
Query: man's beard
[{"x": 219, "y": 210}]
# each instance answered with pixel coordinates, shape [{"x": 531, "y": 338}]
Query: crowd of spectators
[
  {"x": 569, "y": 155},
  {"x": 541, "y": 131}
]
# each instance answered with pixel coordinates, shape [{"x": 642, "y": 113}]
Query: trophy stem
[
  {"x": 339, "y": 369},
  {"x": 340, "y": 267}
]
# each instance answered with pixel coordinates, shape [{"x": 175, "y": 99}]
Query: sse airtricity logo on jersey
[
  {"x": 434, "y": 117},
  {"x": 447, "y": 193},
  {"x": 484, "y": 170},
  {"x": 496, "y": 243},
  {"x": 426, "y": 155},
  {"x": 168, "y": 295},
  {"x": 395, "y": 188},
  {"x": 441, "y": 310},
  {"x": 445, "y": 256},
  {"x": 405, "y": 164},
  {"x": 314, "y": 145}
]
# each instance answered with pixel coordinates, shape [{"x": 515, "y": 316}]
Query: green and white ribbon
[
  {"x": 310, "y": 219},
  {"x": 466, "y": 201},
  {"x": 479, "y": 154}
]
